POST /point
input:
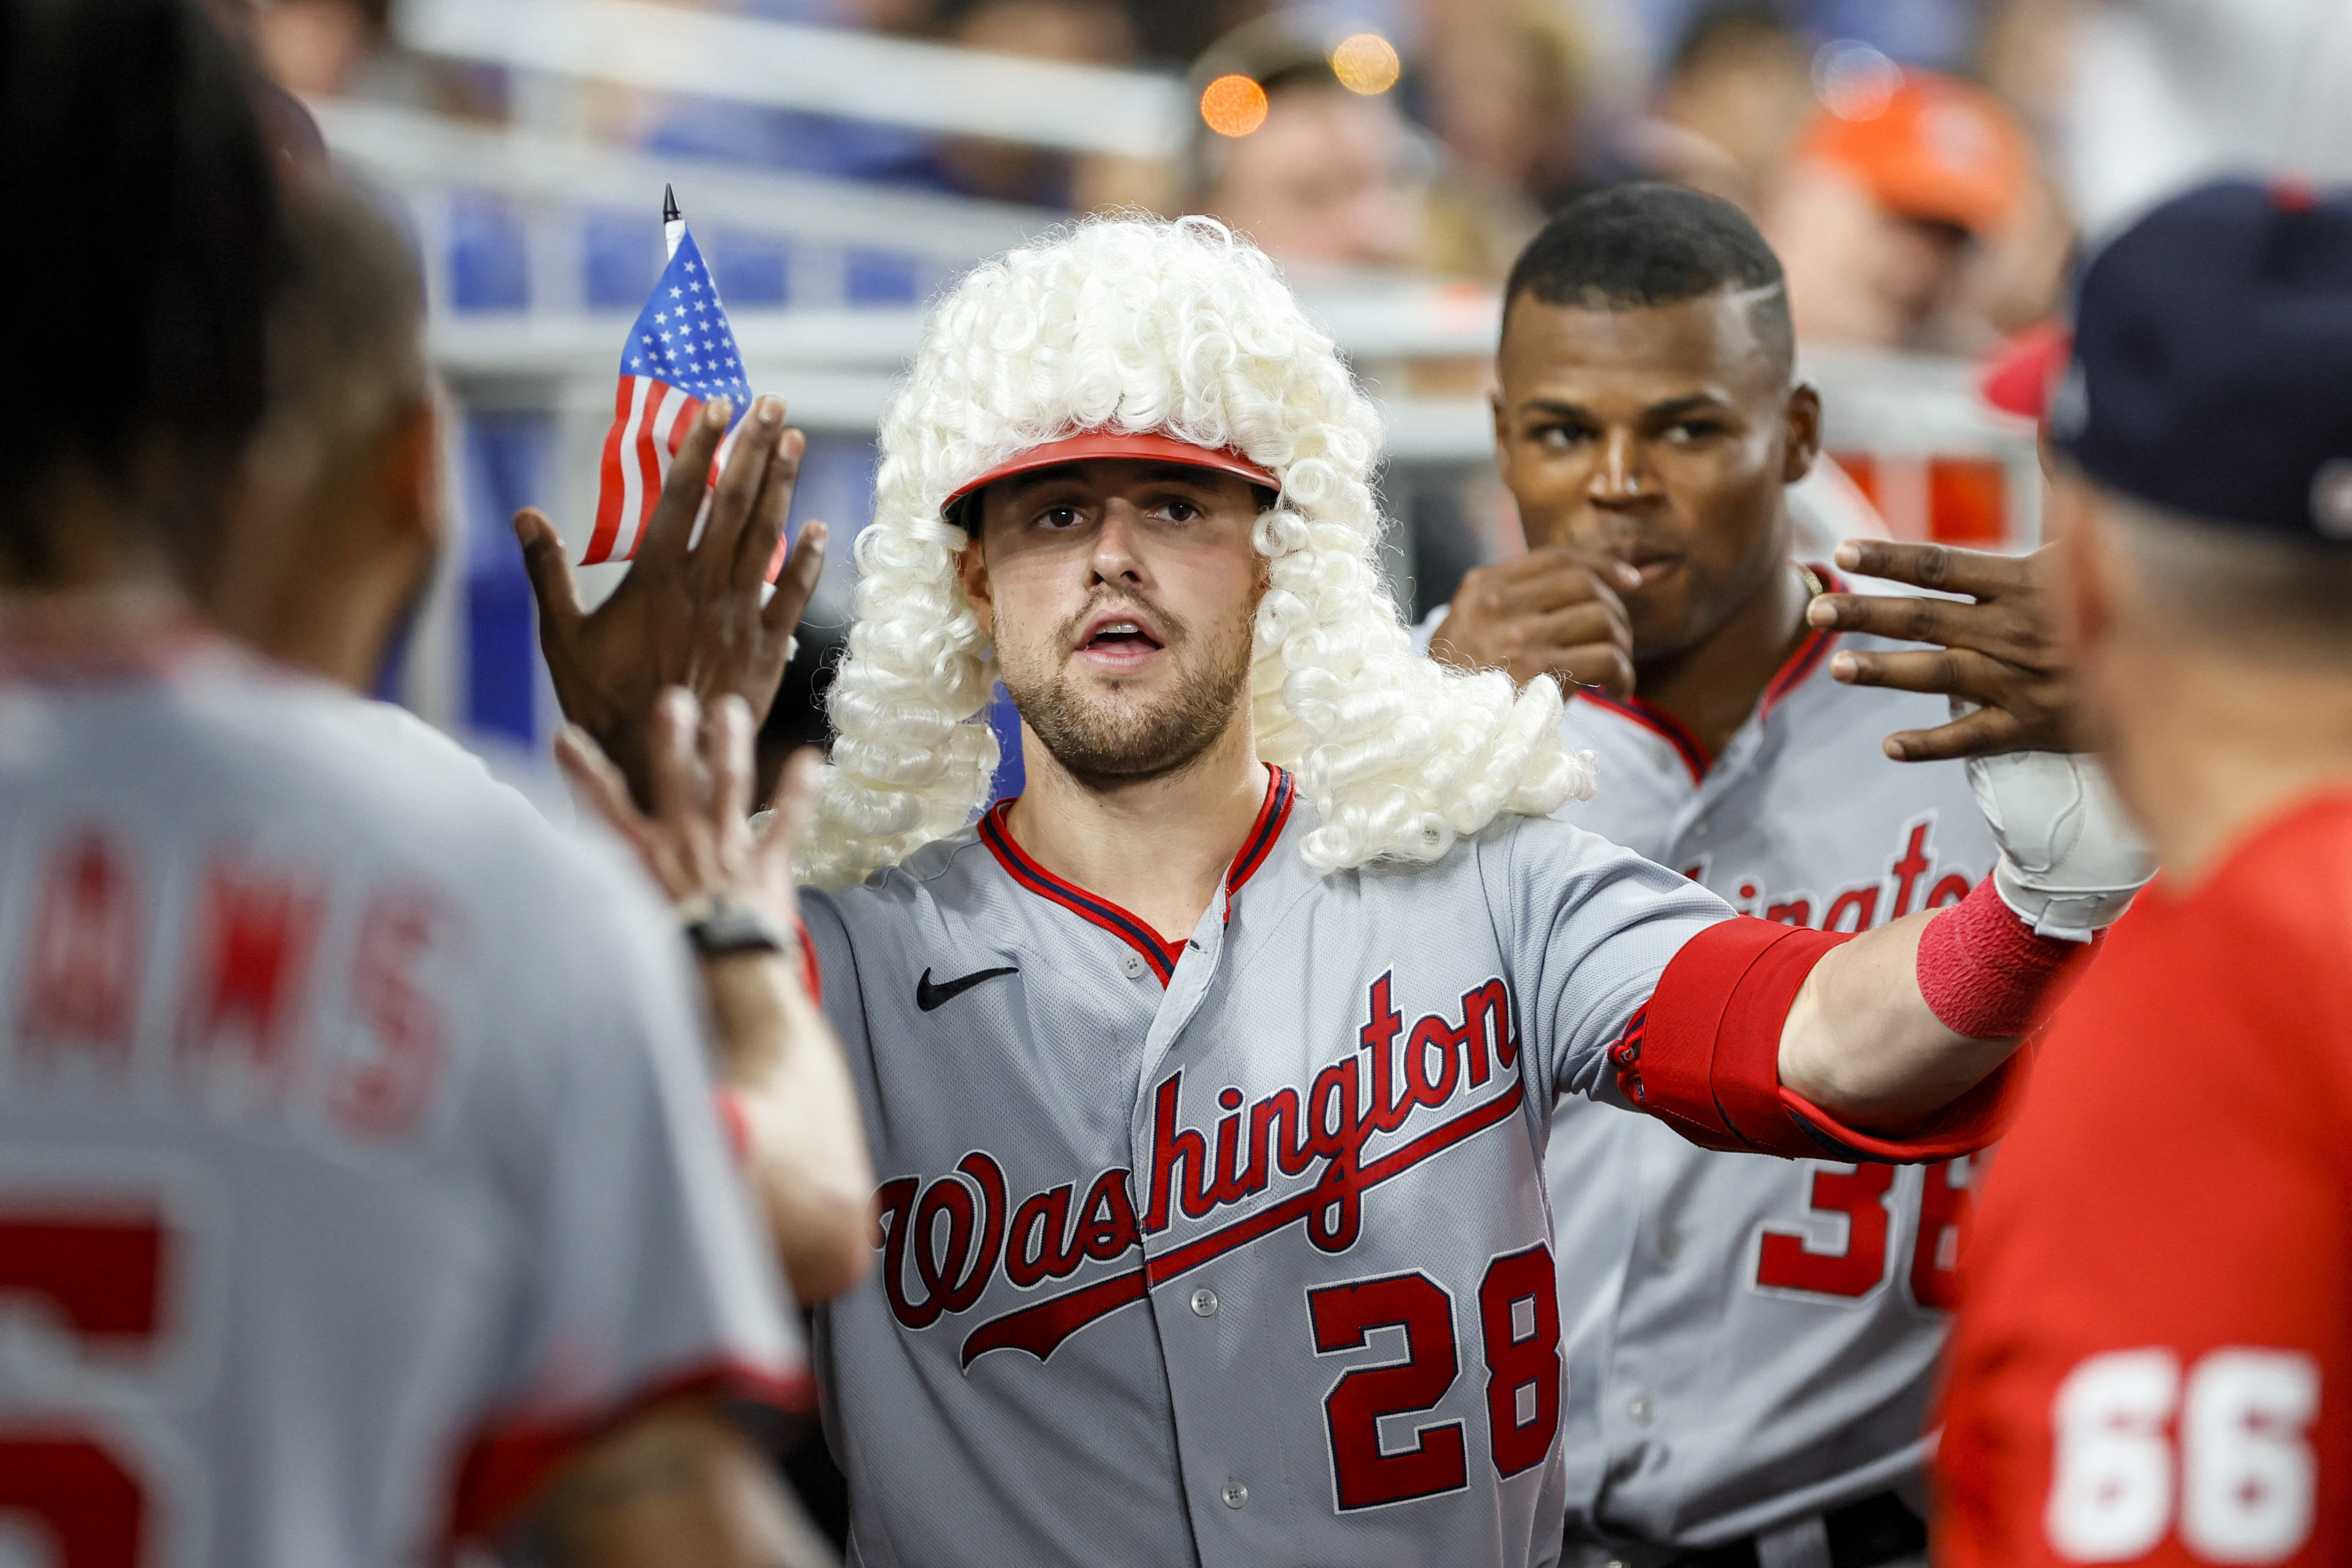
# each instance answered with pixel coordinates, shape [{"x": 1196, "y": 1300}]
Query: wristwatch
[{"x": 719, "y": 926}]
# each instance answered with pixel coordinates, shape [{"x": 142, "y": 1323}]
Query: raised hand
[
  {"x": 1998, "y": 648},
  {"x": 697, "y": 841},
  {"x": 688, "y": 612},
  {"x": 1548, "y": 612}
]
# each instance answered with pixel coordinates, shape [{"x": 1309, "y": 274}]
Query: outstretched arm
[
  {"x": 1893, "y": 1045},
  {"x": 1862, "y": 1042}
]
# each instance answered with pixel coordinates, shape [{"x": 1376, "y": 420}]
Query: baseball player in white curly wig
[{"x": 1176, "y": 331}]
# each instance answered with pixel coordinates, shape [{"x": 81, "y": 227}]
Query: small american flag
[{"x": 681, "y": 354}]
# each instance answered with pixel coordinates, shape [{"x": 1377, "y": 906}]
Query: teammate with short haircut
[
  {"x": 1750, "y": 1343},
  {"x": 340, "y": 490},
  {"x": 361, "y": 1193},
  {"x": 1209, "y": 1079},
  {"x": 2151, "y": 1361}
]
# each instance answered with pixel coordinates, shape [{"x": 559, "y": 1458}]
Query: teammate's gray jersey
[
  {"x": 356, "y": 1147},
  {"x": 1234, "y": 1252},
  {"x": 1752, "y": 1338}
]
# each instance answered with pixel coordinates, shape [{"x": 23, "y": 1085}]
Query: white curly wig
[{"x": 1140, "y": 325}]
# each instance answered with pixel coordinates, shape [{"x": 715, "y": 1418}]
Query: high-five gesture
[
  {"x": 1997, "y": 649},
  {"x": 695, "y": 842},
  {"x": 806, "y": 1140},
  {"x": 689, "y": 613}
]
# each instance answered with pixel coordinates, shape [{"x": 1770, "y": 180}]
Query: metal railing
[{"x": 819, "y": 70}]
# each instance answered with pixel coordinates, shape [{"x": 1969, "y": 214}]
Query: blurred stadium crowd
[
  {"x": 1926, "y": 164},
  {"x": 1929, "y": 171}
]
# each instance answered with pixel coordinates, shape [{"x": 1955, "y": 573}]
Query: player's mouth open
[
  {"x": 1652, "y": 564},
  {"x": 1116, "y": 643}
]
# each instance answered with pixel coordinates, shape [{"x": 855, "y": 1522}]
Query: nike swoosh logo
[{"x": 928, "y": 996}]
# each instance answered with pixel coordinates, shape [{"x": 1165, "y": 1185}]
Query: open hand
[
  {"x": 1998, "y": 651},
  {"x": 1548, "y": 612},
  {"x": 683, "y": 616},
  {"x": 697, "y": 840}
]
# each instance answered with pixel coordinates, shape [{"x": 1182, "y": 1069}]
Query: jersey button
[
  {"x": 1204, "y": 1303},
  {"x": 1642, "y": 1408},
  {"x": 1234, "y": 1494},
  {"x": 1132, "y": 965}
]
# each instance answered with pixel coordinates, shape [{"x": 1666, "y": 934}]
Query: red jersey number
[
  {"x": 1861, "y": 1195},
  {"x": 102, "y": 1279},
  {"x": 1519, "y": 1316}
]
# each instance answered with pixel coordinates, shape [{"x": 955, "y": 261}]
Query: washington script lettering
[{"x": 943, "y": 1242}]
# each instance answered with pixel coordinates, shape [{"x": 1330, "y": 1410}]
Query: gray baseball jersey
[
  {"x": 356, "y": 1146},
  {"x": 1234, "y": 1250},
  {"x": 1751, "y": 1339}
]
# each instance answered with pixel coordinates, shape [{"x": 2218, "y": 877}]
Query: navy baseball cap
[{"x": 2212, "y": 363}]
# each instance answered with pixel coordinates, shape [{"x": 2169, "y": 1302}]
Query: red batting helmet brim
[{"x": 1145, "y": 446}]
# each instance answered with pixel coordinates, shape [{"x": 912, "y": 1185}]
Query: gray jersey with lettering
[
  {"x": 357, "y": 1156},
  {"x": 1752, "y": 1338},
  {"x": 1235, "y": 1251}
]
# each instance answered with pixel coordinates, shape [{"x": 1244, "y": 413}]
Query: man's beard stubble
[{"x": 1100, "y": 746}]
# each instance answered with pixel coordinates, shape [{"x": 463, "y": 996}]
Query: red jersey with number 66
[
  {"x": 2152, "y": 1358},
  {"x": 357, "y": 1156}
]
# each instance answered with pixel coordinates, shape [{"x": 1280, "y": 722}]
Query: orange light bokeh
[
  {"x": 1365, "y": 63},
  {"x": 1233, "y": 105}
]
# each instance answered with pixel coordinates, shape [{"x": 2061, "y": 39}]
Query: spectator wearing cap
[
  {"x": 1887, "y": 187},
  {"x": 2155, "y": 1347}
]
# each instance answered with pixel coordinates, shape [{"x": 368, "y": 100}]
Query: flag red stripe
[
  {"x": 649, "y": 464},
  {"x": 611, "y": 489},
  {"x": 650, "y": 421}
]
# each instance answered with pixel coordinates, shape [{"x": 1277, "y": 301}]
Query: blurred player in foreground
[
  {"x": 1209, "y": 1097},
  {"x": 2153, "y": 1356},
  {"x": 1750, "y": 1343},
  {"x": 361, "y": 1191},
  {"x": 341, "y": 502}
]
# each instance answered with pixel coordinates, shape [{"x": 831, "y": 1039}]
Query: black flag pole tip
[{"x": 669, "y": 206}]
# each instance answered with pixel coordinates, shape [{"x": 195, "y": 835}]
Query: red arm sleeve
[{"x": 1704, "y": 1056}]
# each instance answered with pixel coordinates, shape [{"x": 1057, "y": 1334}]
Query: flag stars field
[{"x": 685, "y": 362}]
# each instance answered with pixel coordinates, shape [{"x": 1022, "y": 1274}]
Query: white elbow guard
[{"x": 2070, "y": 859}]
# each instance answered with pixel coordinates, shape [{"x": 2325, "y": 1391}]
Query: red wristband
[{"x": 1982, "y": 969}]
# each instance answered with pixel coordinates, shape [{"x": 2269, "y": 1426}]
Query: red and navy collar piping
[
  {"x": 1809, "y": 653},
  {"x": 1158, "y": 953},
  {"x": 1805, "y": 658},
  {"x": 1657, "y": 720}
]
